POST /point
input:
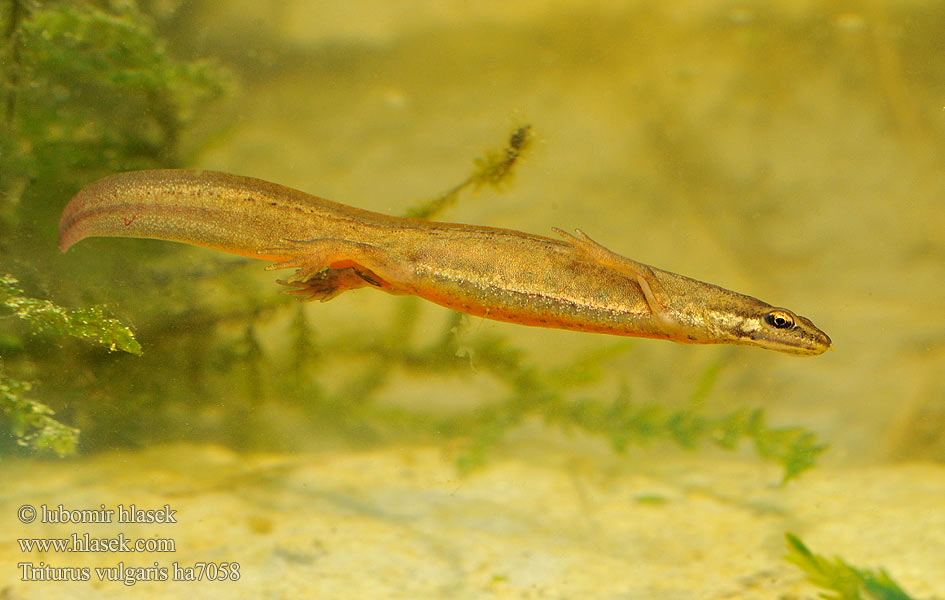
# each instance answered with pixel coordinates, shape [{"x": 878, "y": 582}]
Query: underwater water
[{"x": 377, "y": 446}]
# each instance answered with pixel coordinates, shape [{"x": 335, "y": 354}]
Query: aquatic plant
[
  {"x": 493, "y": 169},
  {"x": 86, "y": 88},
  {"x": 44, "y": 317},
  {"x": 32, "y": 422},
  {"x": 841, "y": 580}
]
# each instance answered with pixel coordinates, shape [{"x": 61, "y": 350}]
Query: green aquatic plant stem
[
  {"x": 493, "y": 169},
  {"x": 841, "y": 580},
  {"x": 623, "y": 422},
  {"x": 32, "y": 422},
  {"x": 551, "y": 395},
  {"x": 45, "y": 317}
]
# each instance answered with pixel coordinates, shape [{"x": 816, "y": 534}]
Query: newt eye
[{"x": 780, "y": 319}]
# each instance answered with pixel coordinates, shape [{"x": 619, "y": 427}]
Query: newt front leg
[{"x": 643, "y": 274}]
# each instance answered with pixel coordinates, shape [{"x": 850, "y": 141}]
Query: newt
[{"x": 570, "y": 283}]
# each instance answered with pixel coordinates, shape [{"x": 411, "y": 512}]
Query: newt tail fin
[{"x": 226, "y": 212}]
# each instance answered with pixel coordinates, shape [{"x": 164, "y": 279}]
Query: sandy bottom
[{"x": 400, "y": 523}]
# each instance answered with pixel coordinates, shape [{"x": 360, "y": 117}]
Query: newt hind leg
[
  {"x": 326, "y": 267},
  {"x": 328, "y": 283},
  {"x": 643, "y": 274}
]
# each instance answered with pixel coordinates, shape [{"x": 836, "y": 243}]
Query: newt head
[{"x": 782, "y": 330}]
